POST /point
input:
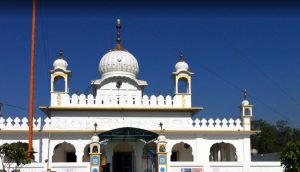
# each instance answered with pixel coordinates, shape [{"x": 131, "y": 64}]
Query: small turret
[
  {"x": 60, "y": 72},
  {"x": 182, "y": 82},
  {"x": 162, "y": 154},
  {"x": 182, "y": 74},
  {"x": 246, "y": 111},
  {"x": 95, "y": 153}
]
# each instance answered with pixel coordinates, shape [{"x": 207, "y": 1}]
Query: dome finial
[
  {"x": 61, "y": 54},
  {"x": 161, "y": 127},
  {"x": 245, "y": 94},
  {"x": 118, "y": 26},
  {"x": 181, "y": 57},
  {"x": 95, "y": 126}
]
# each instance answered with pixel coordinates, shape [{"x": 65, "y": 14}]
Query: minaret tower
[
  {"x": 182, "y": 81},
  {"x": 246, "y": 112},
  {"x": 60, "y": 72}
]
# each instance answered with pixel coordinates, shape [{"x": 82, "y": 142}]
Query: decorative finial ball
[
  {"x": 181, "y": 66},
  {"x": 95, "y": 138}
]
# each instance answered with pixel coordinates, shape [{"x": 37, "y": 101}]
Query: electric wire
[
  {"x": 266, "y": 105},
  {"x": 246, "y": 57},
  {"x": 17, "y": 107},
  {"x": 44, "y": 27}
]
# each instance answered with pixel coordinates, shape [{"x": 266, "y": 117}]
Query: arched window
[
  {"x": 183, "y": 85},
  {"x": 64, "y": 152},
  {"x": 59, "y": 84},
  {"x": 222, "y": 152},
  {"x": 247, "y": 112},
  {"x": 182, "y": 152}
]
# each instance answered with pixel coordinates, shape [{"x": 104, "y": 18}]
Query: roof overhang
[
  {"x": 128, "y": 133},
  {"x": 193, "y": 110}
]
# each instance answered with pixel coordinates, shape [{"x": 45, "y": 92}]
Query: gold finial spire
[
  {"x": 119, "y": 47},
  {"x": 245, "y": 94}
]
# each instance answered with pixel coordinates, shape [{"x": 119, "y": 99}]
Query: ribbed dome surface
[{"x": 119, "y": 61}]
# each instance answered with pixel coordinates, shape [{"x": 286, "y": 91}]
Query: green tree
[
  {"x": 265, "y": 141},
  {"x": 12, "y": 157},
  {"x": 272, "y": 137},
  {"x": 290, "y": 157}
]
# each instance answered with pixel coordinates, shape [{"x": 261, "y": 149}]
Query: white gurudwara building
[{"x": 121, "y": 127}]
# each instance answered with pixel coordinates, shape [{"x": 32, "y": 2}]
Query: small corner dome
[
  {"x": 245, "y": 103},
  {"x": 95, "y": 138},
  {"x": 181, "y": 66},
  {"x": 60, "y": 63},
  {"x": 118, "y": 61}
]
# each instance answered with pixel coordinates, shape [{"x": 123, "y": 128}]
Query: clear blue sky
[{"x": 228, "y": 47}]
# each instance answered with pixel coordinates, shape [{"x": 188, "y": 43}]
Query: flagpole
[{"x": 31, "y": 96}]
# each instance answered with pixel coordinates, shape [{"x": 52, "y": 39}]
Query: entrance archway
[
  {"x": 125, "y": 148},
  {"x": 123, "y": 158}
]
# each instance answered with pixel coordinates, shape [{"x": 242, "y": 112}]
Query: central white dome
[{"x": 119, "y": 62}]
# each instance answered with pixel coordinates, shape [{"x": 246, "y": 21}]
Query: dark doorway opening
[
  {"x": 122, "y": 162},
  {"x": 70, "y": 157}
]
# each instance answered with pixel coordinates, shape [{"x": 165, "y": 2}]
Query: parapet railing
[
  {"x": 63, "y": 99},
  {"x": 110, "y": 123}
]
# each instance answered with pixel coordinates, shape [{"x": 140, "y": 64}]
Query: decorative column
[
  {"x": 162, "y": 155},
  {"x": 95, "y": 153}
]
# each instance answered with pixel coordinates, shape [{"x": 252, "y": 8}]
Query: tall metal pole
[{"x": 31, "y": 96}]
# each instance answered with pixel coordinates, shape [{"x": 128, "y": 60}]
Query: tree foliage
[
  {"x": 290, "y": 157},
  {"x": 12, "y": 157},
  {"x": 273, "y": 137}
]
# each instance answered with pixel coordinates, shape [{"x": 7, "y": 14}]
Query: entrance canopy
[{"x": 128, "y": 133}]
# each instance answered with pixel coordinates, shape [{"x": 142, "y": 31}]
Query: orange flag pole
[{"x": 31, "y": 97}]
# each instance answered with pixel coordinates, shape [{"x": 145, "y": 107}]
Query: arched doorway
[
  {"x": 64, "y": 152},
  {"x": 125, "y": 148}
]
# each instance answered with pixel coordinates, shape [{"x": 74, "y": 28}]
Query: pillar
[{"x": 162, "y": 154}]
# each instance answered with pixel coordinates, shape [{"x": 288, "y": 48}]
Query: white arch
[
  {"x": 182, "y": 151},
  {"x": 183, "y": 85},
  {"x": 59, "y": 79},
  {"x": 64, "y": 152},
  {"x": 223, "y": 152}
]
